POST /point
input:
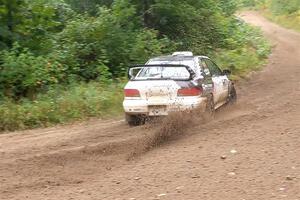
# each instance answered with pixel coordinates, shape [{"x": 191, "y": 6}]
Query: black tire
[
  {"x": 134, "y": 120},
  {"x": 210, "y": 107},
  {"x": 232, "y": 97}
]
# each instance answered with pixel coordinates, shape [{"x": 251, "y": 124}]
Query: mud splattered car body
[{"x": 174, "y": 83}]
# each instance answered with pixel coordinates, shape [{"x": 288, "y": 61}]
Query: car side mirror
[
  {"x": 132, "y": 72},
  {"x": 227, "y": 72},
  {"x": 206, "y": 72}
]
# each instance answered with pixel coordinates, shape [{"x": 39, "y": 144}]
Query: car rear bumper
[{"x": 144, "y": 107}]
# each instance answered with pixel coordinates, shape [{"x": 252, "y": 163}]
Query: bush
[
  {"x": 247, "y": 50},
  {"x": 62, "y": 105},
  {"x": 23, "y": 74},
  {"x": 112, "y": 38}
]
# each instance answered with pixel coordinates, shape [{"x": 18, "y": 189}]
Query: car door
[
  {"x": 221, "y": 83},
  {"x": 207, "y": 83}
]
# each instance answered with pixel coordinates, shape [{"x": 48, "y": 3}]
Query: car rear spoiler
[{"x": 138, "y": 67}]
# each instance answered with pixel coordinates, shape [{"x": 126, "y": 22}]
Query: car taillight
[
  {"x": 131, "y": 93},
  {"x": 194, "y": 91}
]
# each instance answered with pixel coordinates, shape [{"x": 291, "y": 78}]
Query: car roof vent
[{"x": 183, "y": 53}]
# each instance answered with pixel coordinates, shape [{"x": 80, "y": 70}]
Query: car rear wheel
[{"x": 134, "y": 120}]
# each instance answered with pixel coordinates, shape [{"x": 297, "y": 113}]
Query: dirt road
[{"x": 251, "y": 151}]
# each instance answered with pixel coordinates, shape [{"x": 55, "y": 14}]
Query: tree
[
  {"x": 31, "y": 23},
  {"x": 10, "y": 17}
]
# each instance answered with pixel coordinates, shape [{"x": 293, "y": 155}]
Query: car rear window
[{"x": 163, "y": 72}]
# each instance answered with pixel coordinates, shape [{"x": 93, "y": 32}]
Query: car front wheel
[
  {"x": 232, "y": 97},
  {"x": 210, "y": 107}
]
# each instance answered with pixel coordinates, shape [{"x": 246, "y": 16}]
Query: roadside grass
[
  {"x": 247, "y": 57},
  {"x": 240, "y": 61},
  {"x": 288, "y": 21},
  {"x": 62, "y": 105}
]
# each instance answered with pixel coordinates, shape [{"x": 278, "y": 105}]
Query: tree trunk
[
  {"x": 146, "y": 13},
  {"x": 10, "y": 23}
]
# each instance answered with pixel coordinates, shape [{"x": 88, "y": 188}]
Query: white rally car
[{"x": 175, "y": 82}]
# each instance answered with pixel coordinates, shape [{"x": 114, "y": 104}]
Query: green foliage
[
  {"x": 193, "y": 25},
  {"x": 111, "y": 38},
  {"x": 62, "y": 105},
  {"x": 288, "y": 21},
  {"x": 285, "y": 13},
  {"x": 251, "y": 3},
  {"x": 30, "y": 23},
  {"x": 247, "y": 50},
  {"x": 278, "y": 7},
  {"x": 229, "y": 7},
  {"x": 10, "y": 14},
  {"x": 88, "y": 6},
  {"x": 23, "y": 74}
]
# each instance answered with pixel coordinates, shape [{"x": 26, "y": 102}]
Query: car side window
[{"x": 213, "y": 68}]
